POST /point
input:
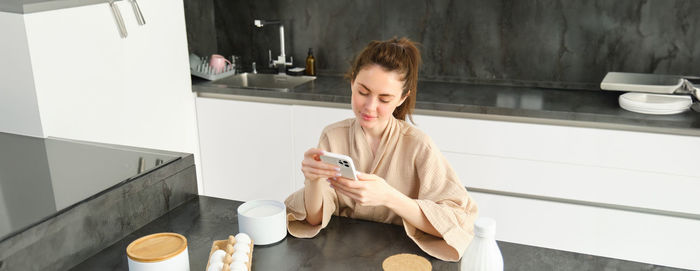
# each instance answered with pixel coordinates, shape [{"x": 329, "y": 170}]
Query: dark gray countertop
[
  {"x": 581, "y": 108},
  {"x": 346, "y": 244}
]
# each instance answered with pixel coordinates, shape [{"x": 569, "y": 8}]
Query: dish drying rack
[{"x": 204, "y": 70}]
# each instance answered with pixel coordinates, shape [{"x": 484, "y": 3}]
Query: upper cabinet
[{"x": 87, "y": 82}]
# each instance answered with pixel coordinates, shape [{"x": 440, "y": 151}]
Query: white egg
[
  {"x": 216, "y": 266},
  {"x": 238, "y": 266},
  {"x": 240, "y": 256},
  {"x": 242, "y": 247},
  {"x": 217, "y": 256},
  {"x": 242, "y": 238}
]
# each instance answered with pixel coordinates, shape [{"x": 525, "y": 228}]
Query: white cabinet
[
  {"x": 644, "y": 170},
  {"x": 649, "y": 238},
  {"x": 246, "y": 149},
  {"x": 308, "y": 123},
  {"x": 19, "y": 109},
  {"x": 620, "y": 194},
  {"x": 253, "y": 150}
]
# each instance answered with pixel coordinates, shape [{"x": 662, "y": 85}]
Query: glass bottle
[
  {"x": 483, "y": 253},
  {"x": 310, "y": 64}
]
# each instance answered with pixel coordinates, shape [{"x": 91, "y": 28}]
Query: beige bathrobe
[{"x": 410, "y": 162}]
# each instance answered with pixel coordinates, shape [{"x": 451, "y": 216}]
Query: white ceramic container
[
  {"x": 263, "y": 220},
  {"x": 483, "y": 253},
  {"x": 159, "y": 251}
]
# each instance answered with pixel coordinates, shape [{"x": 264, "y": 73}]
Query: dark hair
[{"x": 400, "y": 55}]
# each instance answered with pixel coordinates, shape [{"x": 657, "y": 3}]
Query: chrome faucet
[{"x": 281, "y": 61}]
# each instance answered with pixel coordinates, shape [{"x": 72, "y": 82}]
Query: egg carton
[
  {"x": 228, "y": 247},
  {"x": 205, "y": 71}
]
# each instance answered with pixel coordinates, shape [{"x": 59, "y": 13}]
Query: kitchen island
[
  {"x": 62, "y": 200},
  {"x": 346, "y": 244}
]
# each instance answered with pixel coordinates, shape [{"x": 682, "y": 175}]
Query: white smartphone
[{"x": 347, "y": 168}]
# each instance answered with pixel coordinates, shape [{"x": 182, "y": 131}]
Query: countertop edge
[{"x": 469, "y": 115}]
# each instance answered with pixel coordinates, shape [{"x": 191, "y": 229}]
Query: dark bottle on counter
[{"x": 310, "y": 64}]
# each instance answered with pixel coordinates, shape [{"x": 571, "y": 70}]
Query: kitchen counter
[
  {"x": 346, "y": 244},
  {"x": 580, "y": 108}
]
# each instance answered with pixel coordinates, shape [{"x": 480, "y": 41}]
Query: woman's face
[{"x": 375, "y": 95}]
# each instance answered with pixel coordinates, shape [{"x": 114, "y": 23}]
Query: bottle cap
[
  {"x": 485, "y": 227},
  {"x": 311, "y": 50}
]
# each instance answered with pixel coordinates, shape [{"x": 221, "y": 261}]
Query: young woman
[{"x": 406, "y": 180}]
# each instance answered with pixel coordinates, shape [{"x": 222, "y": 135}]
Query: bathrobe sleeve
[
  {"x": 445, "y": 203},
  {"x": 296, "y": 208}
]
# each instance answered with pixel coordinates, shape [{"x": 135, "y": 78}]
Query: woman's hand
[
  {"x": 314, "y": 169},
  {"x": 370, "y": 190}
]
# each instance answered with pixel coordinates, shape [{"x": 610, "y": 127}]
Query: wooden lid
[
  {"x": 156, "y": 247},
  {"x": 406, "y": 262}
]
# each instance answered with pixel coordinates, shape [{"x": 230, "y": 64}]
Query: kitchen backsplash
[{"x": 562, "y": 44}]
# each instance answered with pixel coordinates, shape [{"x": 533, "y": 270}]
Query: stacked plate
[{"x": 657, "y": 104}]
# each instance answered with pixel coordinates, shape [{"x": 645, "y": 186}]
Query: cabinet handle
[
  {"x": 137, "y": 12},
  {"x": 118, "y": 18}
]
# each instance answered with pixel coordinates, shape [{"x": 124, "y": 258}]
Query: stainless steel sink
[{"x": 274, "y": 82}]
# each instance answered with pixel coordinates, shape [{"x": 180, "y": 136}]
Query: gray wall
[
  {"x": 565, "y": 44},
  {"x": 201, "y": 30}
]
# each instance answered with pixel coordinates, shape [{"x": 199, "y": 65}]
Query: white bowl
[{"x": 263, "y": 220}]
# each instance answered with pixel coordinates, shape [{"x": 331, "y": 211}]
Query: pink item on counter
[{"x": 218, "y": 63}]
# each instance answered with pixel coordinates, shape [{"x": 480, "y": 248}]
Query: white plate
[
  {"x": 656, "y": 104},
  {"x": 655, "y": 101},
  {"x": 650, "y": 108},
  {"x": 652, "y": 111}
]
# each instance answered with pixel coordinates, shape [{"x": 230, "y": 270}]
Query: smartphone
[{"x": 347, "y": 168}]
